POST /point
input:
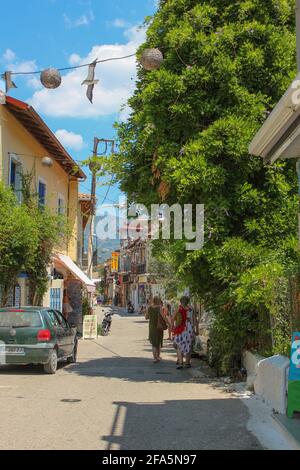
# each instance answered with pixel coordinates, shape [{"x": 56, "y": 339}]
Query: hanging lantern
[
  {"x": 151, "y": 59},
  {"x": 47, "y": 161},
  {"x": 51, "y": 78}
]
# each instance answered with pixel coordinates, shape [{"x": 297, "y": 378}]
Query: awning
[
  {"x": 67, "y": 263},
  {"x": 279, "y": 136}
]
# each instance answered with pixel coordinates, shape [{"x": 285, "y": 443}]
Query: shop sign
[
  {"x": 90, "y": 327},
  {"x": 115, "y": 262}
]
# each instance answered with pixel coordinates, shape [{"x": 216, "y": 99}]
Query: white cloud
[
  {"x": 9, "y": 55},
  {"x": 119, "y": 23},
  {"x": 24, "y": 66},
  {"x": 74, "y": 59},
  {"x": 83, "y": 20},
  {"x": 34, "y": 82},
  {"x": 9, "y": 59},
  {"x": 116, "y": 85},
  {"x": 70, "y": 139}
]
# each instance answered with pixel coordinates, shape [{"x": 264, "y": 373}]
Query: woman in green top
[{"x": 155, "y": 335}]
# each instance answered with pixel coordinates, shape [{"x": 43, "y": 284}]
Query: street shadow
[
  {"x": 208, "y": 424},
  {"x": 131, "y": 369},
  {"x": 29, "y": 369}
]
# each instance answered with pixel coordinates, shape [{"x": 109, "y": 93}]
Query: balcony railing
[{"x": 138, "y": 268}]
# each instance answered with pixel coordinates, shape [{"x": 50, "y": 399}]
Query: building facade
[
  {"x": 28, "y": 145},
  {"x": 133, "y": 281}
]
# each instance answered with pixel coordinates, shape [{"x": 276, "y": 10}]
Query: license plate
[{"x": 15, "y": 351}]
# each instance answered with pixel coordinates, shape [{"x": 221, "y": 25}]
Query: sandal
[{"x": 180, "y": 366}]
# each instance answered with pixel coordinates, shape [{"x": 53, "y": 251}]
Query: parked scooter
[
  {"x": 106, "y": 323},
  {"x": 130, "y": 308}
]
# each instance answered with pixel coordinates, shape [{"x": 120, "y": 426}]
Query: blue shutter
[{"x": 42, "y": 193}]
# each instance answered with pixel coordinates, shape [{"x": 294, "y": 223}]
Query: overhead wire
[{"x": 74, "y": 67}]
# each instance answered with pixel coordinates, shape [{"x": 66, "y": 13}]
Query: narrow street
[{"x": 116, "y": 398}]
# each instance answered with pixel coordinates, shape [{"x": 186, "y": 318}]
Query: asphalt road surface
[{"x": 116, "y": 398}]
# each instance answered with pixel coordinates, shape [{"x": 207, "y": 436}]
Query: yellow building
[{"x": 27, "y": 144}]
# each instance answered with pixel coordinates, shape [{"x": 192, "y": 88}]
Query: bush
[{"x": 255, "y": 311}]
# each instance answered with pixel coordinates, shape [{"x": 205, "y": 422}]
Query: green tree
[
  {"x": 18, "y": 240},
  {"x": 52, "y": 230},
  {"x": 227, "y": 63}
]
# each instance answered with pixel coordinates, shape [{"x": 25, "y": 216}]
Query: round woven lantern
[
  {"x": 51, "y": 78},
  {"x": 47, "y": 161},
  {"x": 151, "y": 59}
]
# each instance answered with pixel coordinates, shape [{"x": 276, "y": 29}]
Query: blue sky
[{"x": 37, "y": 34}]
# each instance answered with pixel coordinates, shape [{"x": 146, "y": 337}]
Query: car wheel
[
  {"x": 73, "y": 359},
  {"x": 51, "y": 366}
]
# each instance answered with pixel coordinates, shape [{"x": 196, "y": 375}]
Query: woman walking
[
  {"x": 155, "y": 334},
  {"x": 183, "y": 333}
]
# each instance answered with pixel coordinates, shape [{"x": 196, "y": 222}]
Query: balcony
[{"x": 138, "y": 268}]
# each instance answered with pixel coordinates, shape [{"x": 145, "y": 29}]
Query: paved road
[{"x": 116, "y": 398}]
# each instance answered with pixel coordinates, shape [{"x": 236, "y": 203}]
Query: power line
[
  {"x": 76, "y": 66},
  {"x": 101, "y": 195},
  {"x": 107, "y": 192}
]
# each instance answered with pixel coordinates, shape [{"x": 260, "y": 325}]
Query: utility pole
[{"x": 94, "y": 168}]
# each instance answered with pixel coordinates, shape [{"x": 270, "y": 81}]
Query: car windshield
[{"x": 20, "y": 319}]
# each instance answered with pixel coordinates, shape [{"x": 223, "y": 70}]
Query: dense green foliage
[
  {"x": 18, "y": 240},
  {"x": 227, "y": 63},
  {"x": 28, "y": 235},
  {"x": 52, "y": 230}
]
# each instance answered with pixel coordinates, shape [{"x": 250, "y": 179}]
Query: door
[
  {"x": 69, "y": 334},
  {"x": 59, "y": 332}
]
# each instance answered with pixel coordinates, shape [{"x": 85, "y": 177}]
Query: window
[
  {"x": 55, "y": 298},
  {"x": 60, "y": 205},
  {"x": 53, "y": 318},
  {"x": 14, "y": 297},
  {"x": 42, "y": 192},
  {"x": 61, "y": 320},
  {"x": 15, "y": 175}
]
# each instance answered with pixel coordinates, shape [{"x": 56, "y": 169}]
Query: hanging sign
[
  {"x": 294, "y": 377},
  {"x": 90, "y": 327},
  {"x": 114, "y": 262}
]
